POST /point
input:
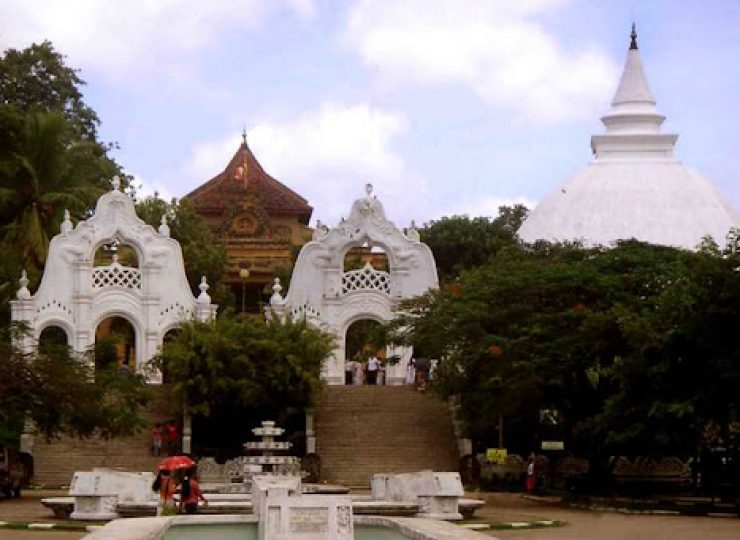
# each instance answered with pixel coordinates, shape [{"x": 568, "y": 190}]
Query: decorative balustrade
[
  {"x": 366, "y": 278},
  {"x": 116, "y": 275}
]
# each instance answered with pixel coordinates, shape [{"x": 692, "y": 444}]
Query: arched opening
[
  {"x": 115, "y": 344},
  {"x": 168, "y": 338},
  {"x": 365, "y": 353},
  {"x": 357, "y": 257},
  {"x": 118, "y": 252},
  {"x": 51, "y": 339}
]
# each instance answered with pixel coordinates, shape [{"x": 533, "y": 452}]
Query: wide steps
[
  {"x": 365, "y": 430},
  {"x": 56, "y": 461}
]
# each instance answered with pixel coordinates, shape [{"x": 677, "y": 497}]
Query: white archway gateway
[
  {"x": 76, "y": 294},
  {"x": 332, "y": 297}
]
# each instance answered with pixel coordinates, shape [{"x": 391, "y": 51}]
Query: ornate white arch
[
  {"x": 328, "y": 296},
  {"x": 77, "y": 295}
]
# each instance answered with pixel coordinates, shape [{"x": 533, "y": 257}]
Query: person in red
[
  {"x": 157, "y": 439},
  {"x": 190, "y": 493},
  {"x": 171, "y": 436},
  {"x": 531, "y": 482},
  {"x": 166, "y": 484}
]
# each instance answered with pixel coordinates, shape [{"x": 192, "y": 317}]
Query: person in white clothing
[
  {"x": 411, "y": 372},
  {"x": 372, "y": 370}
]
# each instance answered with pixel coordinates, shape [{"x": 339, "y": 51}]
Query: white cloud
[
  {"x": 496, "y": 47},
  {"x": 126, "y": 38},
  {"x": 147, "y": 188},
  {"x": 326, "y": 155},
  {"x": 486, "y": 206}
]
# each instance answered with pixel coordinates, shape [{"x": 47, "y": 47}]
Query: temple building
[
  {"x": 259, "y": 221},
  {"x": 634, "y": 187}
]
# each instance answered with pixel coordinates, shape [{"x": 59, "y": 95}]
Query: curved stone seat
[
  {"x": 215, "y": 507},
  {"x": 61, "y": 506},
  {"x": 384, "y": 508},
  {"x": 324, "y": 489},
  {"x": 467, "y": 507}
]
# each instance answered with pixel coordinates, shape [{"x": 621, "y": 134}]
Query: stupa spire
[
  {"x": 633, "y": 121},
  {"x": 633, "y": 87}
]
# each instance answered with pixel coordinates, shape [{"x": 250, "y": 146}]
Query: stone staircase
[
  {"x": 56, "y": 461},
  {"x": 364, "y": 430}
]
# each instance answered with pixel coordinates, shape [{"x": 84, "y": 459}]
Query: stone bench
[
  {"x": 143, "y": 509},
  {"x": 61, "y": 506},
  {"x": 384, "y": 508},
  {"x": 648, "y": 474},
  {"x": 467, "y": 507}
]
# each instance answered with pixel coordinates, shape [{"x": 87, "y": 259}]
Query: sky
[{"x": 445, "y": 106}]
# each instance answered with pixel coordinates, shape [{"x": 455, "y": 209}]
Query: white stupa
[{"x": 634, "y": 188}]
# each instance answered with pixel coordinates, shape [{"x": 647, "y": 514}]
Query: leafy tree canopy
[
  {"x": 62, "y": 392},
  {"x": 44, "y": 170},
  {"x": 633, "y": 344},
  {"x": 245, "y": 363},
  {"x": 460, "y": 243},
  {"x": 37, "y": 79},
  {"x": 201, "y": 254}
]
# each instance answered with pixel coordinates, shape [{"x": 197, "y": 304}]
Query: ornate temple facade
[
  {"x": 79, "y": 293},
  {"x": 333, "y": 297},
  {"x": 258, "y": 220}
]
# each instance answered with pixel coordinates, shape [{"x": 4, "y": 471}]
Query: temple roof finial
[{"x": 633, "y": 35}]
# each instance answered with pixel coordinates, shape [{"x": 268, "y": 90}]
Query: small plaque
[
  {"x": 496, "y": 455},
  {"x": 553, "y": 445},
  {"x": 309, "y": 520}
]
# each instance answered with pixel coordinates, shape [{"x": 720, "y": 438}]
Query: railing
[
  {"x": 366, "y": 278},
  {"x": 116, "y": 275}
]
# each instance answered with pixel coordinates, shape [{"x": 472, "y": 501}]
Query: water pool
[
  {"x": 248, "y": 531},
  {"x": 244, "y": 527}
]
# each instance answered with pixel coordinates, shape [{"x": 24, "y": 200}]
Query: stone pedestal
[
  {"x": 97, "y": 493},
  {"x": 285, "y": 514},
  {"x": 436, "y": 493}
]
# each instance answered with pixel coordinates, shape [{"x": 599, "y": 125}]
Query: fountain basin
[
  {"x": 245, "y": 528},
  {"x": 274, "y": 445}
]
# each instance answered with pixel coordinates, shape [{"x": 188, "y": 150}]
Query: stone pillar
[
  {"x": 310, "y": 433},
  {"x": 28, "y": 437},
  {"x": 23, "y": 310},
  {"x": 204, "y": 310},
  {"x": 187, "y": 433}
]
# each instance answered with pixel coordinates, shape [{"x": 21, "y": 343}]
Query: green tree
[
  {"x": 242, "y": 367},
  {"x": 460, "y": 243},
  {"x": 629, "y": 343},
  {"x": 244, "y": 362},
  {"x": 37, "y": 79},
  {"x": 63, "y": 393},
  {"x": 202, "y": 255},
  {"x": 45, "y": 171}
]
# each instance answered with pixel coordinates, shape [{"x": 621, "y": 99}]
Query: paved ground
[
  {"x": 28, "y": 508},
  {"x": 501, "y": 507},
  {"x": 592, "y": 525}
]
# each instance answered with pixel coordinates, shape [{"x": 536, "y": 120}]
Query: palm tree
[{"x": 46, "y": 172}]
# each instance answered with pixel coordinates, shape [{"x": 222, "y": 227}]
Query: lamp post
[{"x": 244, "y": 274}]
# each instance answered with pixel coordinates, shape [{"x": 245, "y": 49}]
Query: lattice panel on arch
[
  {"x": 367, "y": 278},
  {"x": 116, "y": 276}
]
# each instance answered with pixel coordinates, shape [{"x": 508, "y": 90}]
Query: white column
[{"x": 187, "y": 433}]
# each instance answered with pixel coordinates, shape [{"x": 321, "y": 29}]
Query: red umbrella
[{"x": 174, "y": 463}]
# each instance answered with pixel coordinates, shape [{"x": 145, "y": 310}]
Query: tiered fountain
[{"x": 267, "y": 463}]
